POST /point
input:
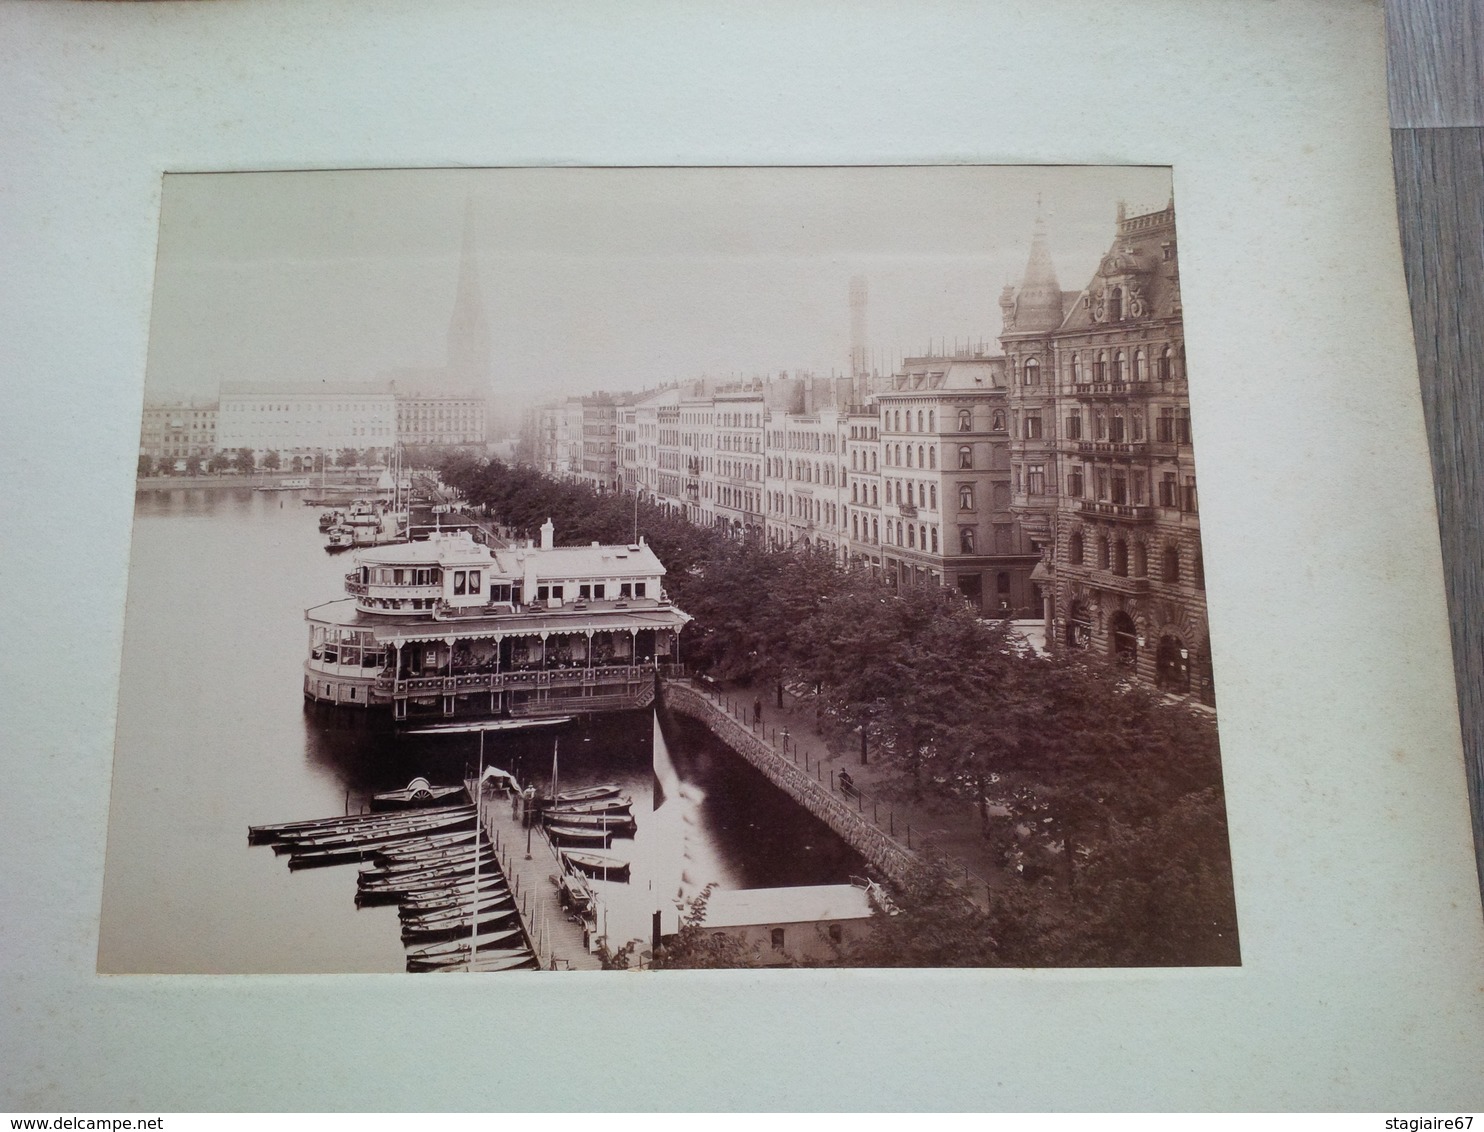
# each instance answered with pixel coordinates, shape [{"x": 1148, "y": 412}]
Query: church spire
[
  {"x": 468, "y": 329},
  {"x": 1038, "y": 304}
]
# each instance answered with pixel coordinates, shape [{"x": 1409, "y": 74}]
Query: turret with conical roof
[{"x": 1036, "y": 306}]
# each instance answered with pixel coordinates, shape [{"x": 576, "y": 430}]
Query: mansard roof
[{"x": 1137, "y": 279}]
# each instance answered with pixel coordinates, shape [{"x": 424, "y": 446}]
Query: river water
[{"x": 214, "y": 735}]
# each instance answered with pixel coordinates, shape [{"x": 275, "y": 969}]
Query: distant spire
[
  {"x": 1037, "y": 303},
  {"x": 468, "y": 329}
]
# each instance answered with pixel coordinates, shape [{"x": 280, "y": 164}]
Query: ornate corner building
[{"x": 1102, "y": 466}]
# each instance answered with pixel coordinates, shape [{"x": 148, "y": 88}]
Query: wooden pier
[{"x": 558, "y": 941}]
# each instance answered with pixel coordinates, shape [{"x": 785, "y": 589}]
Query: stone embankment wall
[{"x": 879, "y": 849}]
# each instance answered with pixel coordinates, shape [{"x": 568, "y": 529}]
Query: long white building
[{"x": 298, "y": 422}]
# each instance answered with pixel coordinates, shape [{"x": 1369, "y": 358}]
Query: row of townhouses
[
  {"x": 1054, "y": 480},
  {"x": 300, "y": 422}
]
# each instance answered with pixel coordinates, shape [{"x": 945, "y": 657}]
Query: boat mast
[
  {"x": 554, "y": 744},
  {"x": 478, "y": 829}
]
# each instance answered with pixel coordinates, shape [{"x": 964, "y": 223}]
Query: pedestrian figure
[{"x": 757, "y": 711}]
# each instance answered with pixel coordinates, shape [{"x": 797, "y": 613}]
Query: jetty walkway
[{"x": 558, "y": 942}]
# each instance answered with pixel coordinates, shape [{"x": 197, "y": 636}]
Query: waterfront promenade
[{"x": 950, "y": 829}]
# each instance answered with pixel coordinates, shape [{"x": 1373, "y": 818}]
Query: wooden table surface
[{"x": 1434, "y": 52}]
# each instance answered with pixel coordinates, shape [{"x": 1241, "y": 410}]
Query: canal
[{"x": 214, "y": 735}]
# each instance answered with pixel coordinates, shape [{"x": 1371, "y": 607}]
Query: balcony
[
  {"x": 1128, "y": 512},
  {"x": 1134, "y": 587},
  {"x": 907, "y": 510},
  {"x": 1112, "y": 448}
]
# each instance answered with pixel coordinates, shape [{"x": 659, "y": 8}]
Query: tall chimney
[
  {"x": 548, "y": 531},
  {"x": 859, "y": 362}
]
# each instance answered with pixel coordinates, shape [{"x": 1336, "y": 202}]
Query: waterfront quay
[
  {"x": 890, "y": 835},
  {"x": 532, "y": 868}
]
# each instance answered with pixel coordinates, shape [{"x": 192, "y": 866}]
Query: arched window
[
  {"x": 931, "y": 426},
  {"x": 1171, "y": 572},
  {"x": 965, "y": 456},
  {"x": 1141, "y": 365},
  {"x": 1124, "y": 639},
  {"x": 933, "y": 496},
  {"x": 1074, "y": 549},
  {"x": 1117, "y": 365},
  {"x": 1076, "y": 369},
  {"x": 875, "y": 530},
  {"x": 1105, "y": 554},
  {"x": 1141, "y": 561},
  {"x": 853, "y": 486},
  {"x": 933, "y": 457},
  {"x": 1079, "y": 626},
  {"x": 1172, "y": 665},
  {"x": 1100, "y": 366},
  {"x": 909, "y": 455},
  {"x": 873, "y": 462},
  {"x": 897, "y": 420},
  {"x": 921, "y": 495},
  {"x": 919, "y": 420},
  {"x": 1032, "y": 372},
  {"x": 1115, "y": 304},
  {"x": 920, "y": 454},
  {"x": 1120, "y": 558},
  {"x": 909, "y": 420},
  {"x": 1165, "y": 364},
  {"x": 911, "y": 535},
  {"x": 853, "y": 455},
  {"x": 875, "y": 496},
  {"x": 965, "y": 497},
  {"x": 965, "y": 421},
  {"x": 997, "y": 422},
  {"x": 899, "y": 455},
  {"x": 966, "y": 540}
]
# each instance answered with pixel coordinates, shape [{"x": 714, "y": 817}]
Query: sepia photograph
[{"x": 543, "y": 569}]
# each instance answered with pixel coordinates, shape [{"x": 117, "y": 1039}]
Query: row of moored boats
[
  {"x": 456, "y": 909},
  {"x": 422, "y": 849}
]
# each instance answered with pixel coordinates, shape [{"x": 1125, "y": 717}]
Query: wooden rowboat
[
  {"x": 595, "y": 865},
  {"x": 619, "y": 805},
  {"x": 618, "y": 824},
  {"x": 521, "y": 961},
  {"x": 457, "y": 951},
  {"x": 344, "y": 823},
  {"x": 570, "y": 835},
  {"x": 495, "y": 928},
  {"x": 567, "y": 798}
]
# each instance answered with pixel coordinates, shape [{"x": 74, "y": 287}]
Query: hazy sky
[{"x": 603, "y": 278}]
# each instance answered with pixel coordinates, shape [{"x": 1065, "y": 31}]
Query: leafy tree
[
  {"x": 272, "y": 461},
  {"x": 348, "y": 458},
  {"x": 927, "y": 922},
  {"x": 245, "y": 460},
  {"x": 146, "y": 465},
  {"x": 219, "y": 462},
  {"x": 193, "y": 465}
]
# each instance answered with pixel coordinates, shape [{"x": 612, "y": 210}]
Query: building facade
[
  {"x": 300, "y": 423},
  {"x": 946, "y": 485},
  {"x": 440, "y": 419},
  {"x": 1102, "y": 464},
  {"x": 178, "y": 430}
]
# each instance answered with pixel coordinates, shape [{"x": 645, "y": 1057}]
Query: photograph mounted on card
[{"x": 596, "y": 568}]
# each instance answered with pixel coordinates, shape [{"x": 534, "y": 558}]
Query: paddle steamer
[{"x": 448, "y": 627}]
